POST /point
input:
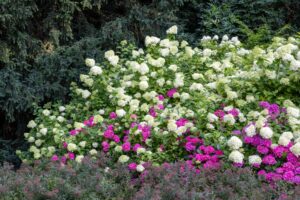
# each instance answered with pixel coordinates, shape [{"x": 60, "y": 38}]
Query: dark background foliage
[{"x": 43, "y": 43}]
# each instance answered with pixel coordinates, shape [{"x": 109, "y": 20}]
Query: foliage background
[{"x": 43, "y": 43}]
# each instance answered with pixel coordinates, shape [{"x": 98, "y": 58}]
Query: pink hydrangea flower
[
  {"x": 112, "y": 115},
  {"x": 262, "y": 149},
  {"x": 189, "y": 146},
  {"x": 54, "y": 158},
  {"x": 132, "y": 166},
  {"x": 116, "y": 139},
  {"x": 171, "y": 92},
  {"x": 71, "y": 156},
  {"x": 126, "y": 146},
  {"x": 269, "y": 160},
  {"x": 105, "y": 146}
]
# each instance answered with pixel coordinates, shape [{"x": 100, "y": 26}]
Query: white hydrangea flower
[
  {"x": 284, "y": 141},
  {"x": 172, "y": 30},
  {"x": 295, "y": 149},
  {"x": 79, "y": 158},
  {"x": 250, "y": 130},
  {"x": 143, "y": 85},
  {"x": 266, "y": 132},
  {"x": 31, "y": 124},
  {"x": 236, "y": 156},
  {"x": 85, "y": 94},
  {"x": 212, "y": 117},
  {"x": 44, "y": 131},
  {"x": 72, "y": 147},
  {"x": 295, "y": 65},
  {"x": 254, "y": 159},
  {"x": 121, "y": 112},
  {"x": 82, "y": 144},
  {"x": 46, "y": 112},
  {"x": 229, "y": 118},
  {"x": 140, "y": 168},
  {"x": 294, "y": 112},
  {"x": 90, "y": 62},
  {"x": 61, "y": 108},
  {"x": 235, "y": 143},
  {"x": 123, "y": 159},
  {"x": 96, "y": 70},
  {"x": 93, "y": 152}
]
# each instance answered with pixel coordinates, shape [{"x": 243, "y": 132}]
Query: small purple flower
[
  {"x": 71, "y": 156},
  {"x": 278, "y": 151},
  {"x": 234, "y": 112},
  {"x": 248, "y": 140}
]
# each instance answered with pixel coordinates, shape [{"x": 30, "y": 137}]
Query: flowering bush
[{"x": 171, "y": 102}]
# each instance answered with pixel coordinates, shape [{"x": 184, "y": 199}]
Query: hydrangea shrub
[{"x": 171, "y": 101}]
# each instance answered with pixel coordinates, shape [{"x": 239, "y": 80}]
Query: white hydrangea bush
[{"x": 213, "y": 91}]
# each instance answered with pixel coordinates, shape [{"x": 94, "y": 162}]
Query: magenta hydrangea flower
[
  {"x": 181, "y": 122},
  {"x": 262, "y": 149},
  {"x": 126, "y": 146},
  {"x": 264, "y": 104},
  {"x": 113, "y": 115},
  {"x": 73, "y": 132},
  {"x": 189, "y": 146},
  {"x": 160, "y": 106},
  {"x": 132, "y": 166},
  {"x": 248, "y": 140},
  {"x": 116, "y": 138},
  {"x": 269, "y": 160},
  {"x": 105, "y": 146},
  {"x": 136, "y": 146},
  {"x": 71, "y": 156},
  {"x": 109, "y": 134},
  {"x": 220, "y": 114},
  {"x": 161, "y": 97},
  {"x": 234, "y": 112},
  {"x": 152, "y": 112},
  {"x": 65, "y": 145},
  {"x": 171, "y": 92},
  {"x": 288, "y": 176},
  {"x": 278, "y": 151},
  {"x": 54, "y": 158}
]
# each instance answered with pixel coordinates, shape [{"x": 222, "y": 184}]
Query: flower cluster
[{"x": 171, "y": 101}]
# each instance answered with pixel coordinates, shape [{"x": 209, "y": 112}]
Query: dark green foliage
[
  {"x": 43, "y": 43},
  {"x": 93, "y": 180}
]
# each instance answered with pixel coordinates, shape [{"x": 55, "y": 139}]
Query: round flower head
[
  {"x": 235, "y": 143},
  {"x": 250, "y": 130},
  {"x": 266, "y": 132},
  {"x": 96, "y": 70},
  {"x": 255, "y": 160},
  {"x": 236, "y": 156},
  {"x": 89, "y": 62},
  {"x": 140, "y": 168},
  {"x": 295, "y": 149},
  {"x": 123, "y": 159}
]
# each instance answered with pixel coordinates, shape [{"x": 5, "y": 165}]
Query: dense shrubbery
[
  {"x": 171, "y": 102},
  {"x": 93, "y": 180},
  {"x": 38, "y": 62}
]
